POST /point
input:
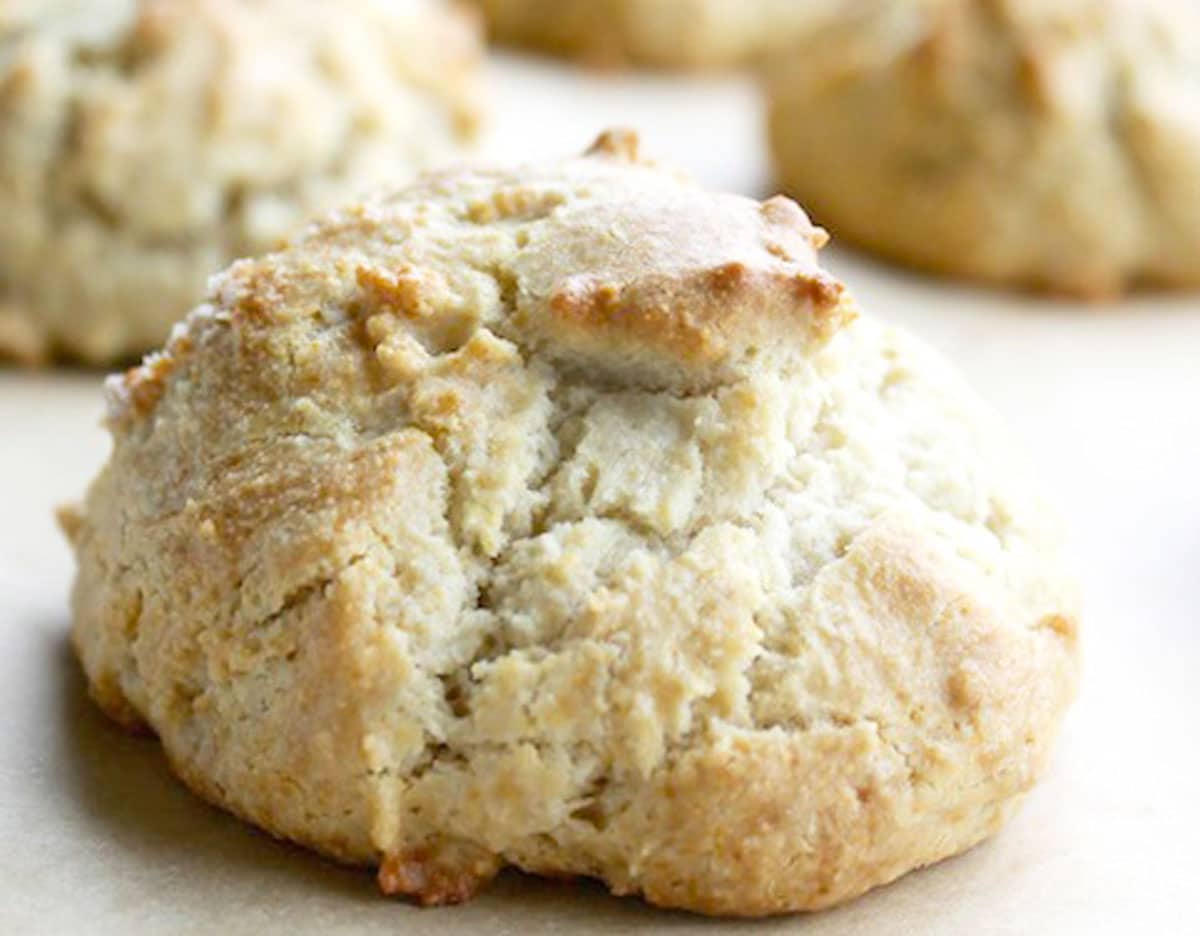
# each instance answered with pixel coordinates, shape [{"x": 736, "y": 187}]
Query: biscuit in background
[
  {"x": 1052, "y": 144},
  {"x": 671, "y": 34},
  {"x": 144, "y": 144}
]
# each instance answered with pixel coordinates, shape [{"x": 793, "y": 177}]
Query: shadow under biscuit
[{"x": 124, "y": 788}]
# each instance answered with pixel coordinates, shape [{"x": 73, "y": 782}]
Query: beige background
[{"x": 95, "y": 836}]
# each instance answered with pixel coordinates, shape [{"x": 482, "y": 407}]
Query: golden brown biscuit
[
  {"x": 145, "y": 144},
  {"x": 1044, "y": 143},
  {"x": 567, "y": 517}
]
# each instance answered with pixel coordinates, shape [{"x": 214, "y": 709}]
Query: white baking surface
[{"x": 95, "y": 836}]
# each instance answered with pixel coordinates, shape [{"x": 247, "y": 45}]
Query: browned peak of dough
[{"x": 605, "y": 265}]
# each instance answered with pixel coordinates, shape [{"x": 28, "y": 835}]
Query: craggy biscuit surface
[
  {"x": 1044, "y": 143},
  {"x": 145, "y": 144},
  {"x": 569, "y": 517}
]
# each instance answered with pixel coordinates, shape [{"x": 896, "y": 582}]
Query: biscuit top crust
[
  {"x": 1050, "y": 54},
  {"x": 1127, "y": 61},
  {"x": 605, "y": 265}
]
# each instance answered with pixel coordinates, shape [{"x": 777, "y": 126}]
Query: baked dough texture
[
  {"x": 673, "y": 34},
  {"x": 145, "y": 144},
  {"x": 1052, "y": 144},
  {"x": 569, "y": 517}
]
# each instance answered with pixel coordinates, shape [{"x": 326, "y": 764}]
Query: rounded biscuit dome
[
  {"x": 569, "y": 517},
  {"x": 146, "y": 144},
  {"x": 1052, "y": 144}
]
